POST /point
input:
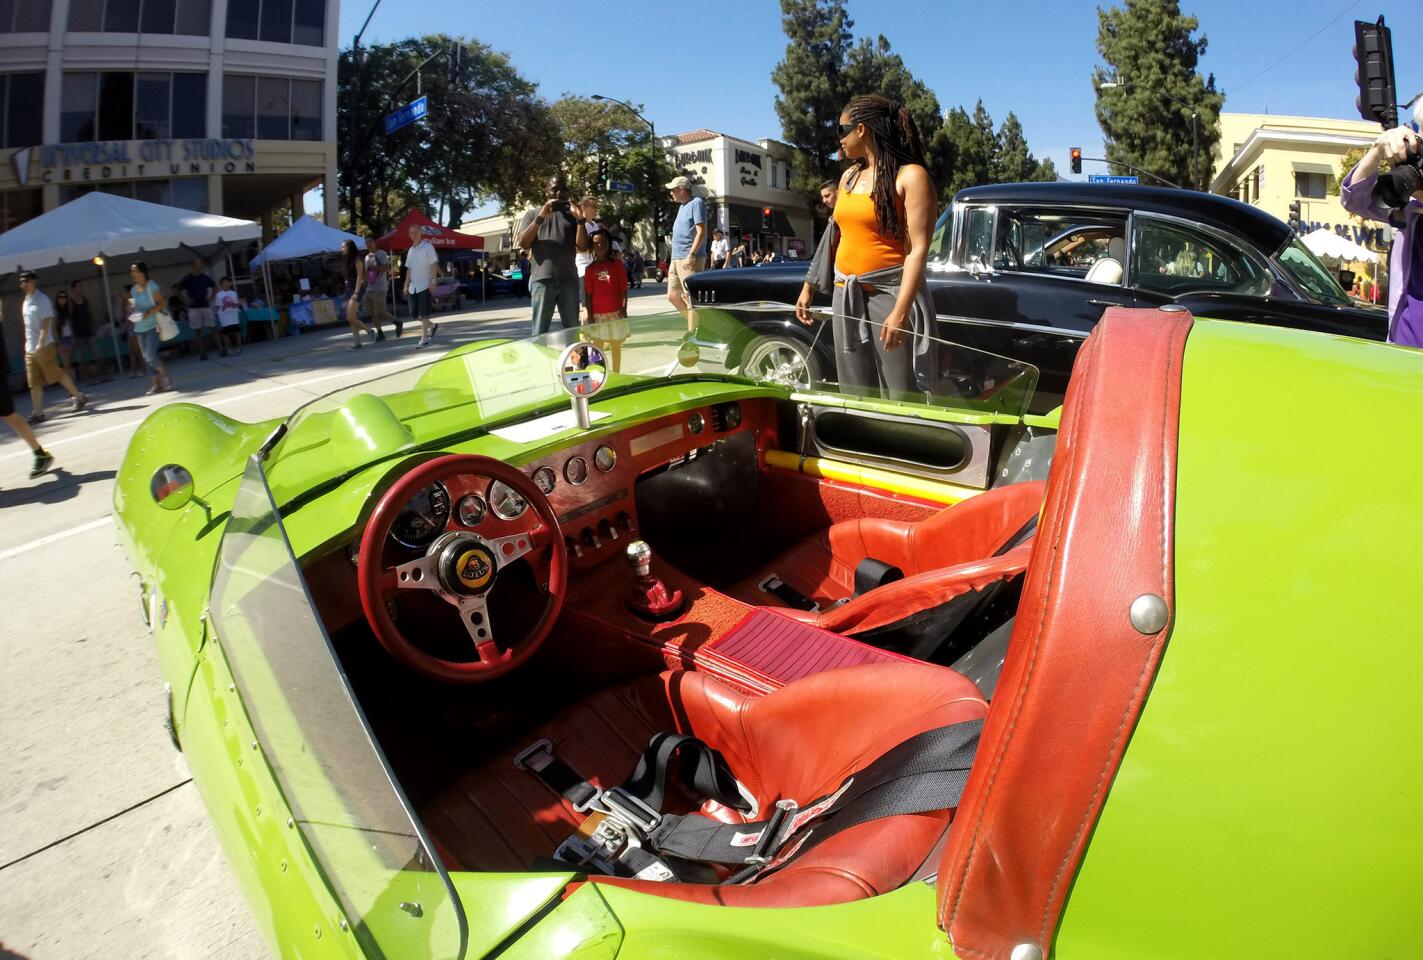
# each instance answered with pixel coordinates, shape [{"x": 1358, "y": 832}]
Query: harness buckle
[
  {"x": 535, "y": 756},
  {"x": 630, "y": 810}
]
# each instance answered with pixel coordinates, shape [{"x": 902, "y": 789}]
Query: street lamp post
[
  {"x": 656, "y": 195},
  {"x": 1195, "y": 122}
]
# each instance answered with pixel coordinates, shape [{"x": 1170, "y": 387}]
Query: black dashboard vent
[{"x": 726, "y": 416}]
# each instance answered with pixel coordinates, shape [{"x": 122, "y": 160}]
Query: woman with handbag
[{"x": 150, "y": 309}]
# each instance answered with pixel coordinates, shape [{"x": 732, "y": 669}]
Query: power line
[{"x": 1297, "y": 49}]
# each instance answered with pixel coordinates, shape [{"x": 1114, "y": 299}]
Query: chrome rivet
[
  {"x": 290, "y": 823},
  {"x": 1174, "y": 308},
  {"x": 1026, "y": 951},
  {"x": 254, "y": 744},
  {"x": 231, "y": 687},
  {"x": 317, "y": 930},
  {"x": 1149, "y": 614},
  {"x": 412, "y": 908},
  {"x": 344, "y": 925}
]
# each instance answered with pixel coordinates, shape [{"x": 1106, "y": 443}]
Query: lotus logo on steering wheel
[{"x": 475, "y": 568}]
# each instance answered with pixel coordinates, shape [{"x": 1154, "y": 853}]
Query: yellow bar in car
[{"x": 936, "y": 491}]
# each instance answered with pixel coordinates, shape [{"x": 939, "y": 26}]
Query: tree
[
  {"x": 811, "y": 82},
  {"x": 486, "y": 134},
  {"x": 1151, "y": 54},
  {"x": 872, "y": 67}
]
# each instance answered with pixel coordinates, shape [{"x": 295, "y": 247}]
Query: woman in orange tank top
[{"x": 883, "y": 216}]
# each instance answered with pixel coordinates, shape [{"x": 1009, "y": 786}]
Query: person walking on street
[
  {"x": 554, "y": 234},
  {"x": 65, "y": 339},
  {"x": 378, "y": 286},
  {"x": 198, "y": 288},
  {"x": 41, "y": 352},
  {"x": 588, "y": 210},
  {"x": 606, "y": 284},
  {"x": 1359, "y": 195},
  {"x": 720, "y": 250},
  {"x": 688, "y": 254},
  {"x": 147, "y": 300},
  {"x": 229, "y": 314},
  {"x": 355, "y": 280},
  {"x": 421, "y": 262},
  {"x": 882, "y": 317},
  {"x": 43, "y": 461}
]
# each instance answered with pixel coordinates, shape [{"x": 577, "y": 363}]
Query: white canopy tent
[
  {"x": 1326, "y": 243},
  {"x": 306, "y": 238},
  {"x": 100, "y": 226}
]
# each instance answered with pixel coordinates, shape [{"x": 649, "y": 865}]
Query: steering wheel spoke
[
  {"x": 510, "y": 548},
  {"x": 474, "y": 614},
  {"x": 418, "y": 574}
]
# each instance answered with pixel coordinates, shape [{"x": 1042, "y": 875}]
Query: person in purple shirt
[{"x": 1405, "y": 296}]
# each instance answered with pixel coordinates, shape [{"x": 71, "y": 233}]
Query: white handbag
[{"x": 167, "y": 326}]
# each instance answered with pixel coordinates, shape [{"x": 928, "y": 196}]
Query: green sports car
[{"x": 595, "y": 647}]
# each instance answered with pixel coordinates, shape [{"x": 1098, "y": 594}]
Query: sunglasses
[{"x": 846, "y": 129}]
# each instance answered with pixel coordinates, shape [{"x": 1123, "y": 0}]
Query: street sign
[
  {"x": 406, "y": 115},
  {"x": 1105, "y": 178},
  {"x": 622, "y": 186}
]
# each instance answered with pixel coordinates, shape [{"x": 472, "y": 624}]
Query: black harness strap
[
  {"x": 701, "y": 768},
  {"x": 540, "y": 760}
]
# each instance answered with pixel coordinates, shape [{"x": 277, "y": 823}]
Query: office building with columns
[{"x": 224, "y": 106}]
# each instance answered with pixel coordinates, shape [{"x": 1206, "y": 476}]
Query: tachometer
[
  {"x": 575, "y": 471},
  {"x": 422, "y": 519},
  {"x": 605, "y": 458},
  {"x": 545, "y": 479},
  {"x": 505, "y": 501}
]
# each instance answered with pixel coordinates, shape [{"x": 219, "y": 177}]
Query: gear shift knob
[{"x": 639, "y": 556}]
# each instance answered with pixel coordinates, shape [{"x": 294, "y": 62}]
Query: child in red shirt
[{"x": 606, "y": 284}]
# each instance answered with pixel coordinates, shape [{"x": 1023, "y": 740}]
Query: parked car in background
[{"x": 1026, "y": 270}]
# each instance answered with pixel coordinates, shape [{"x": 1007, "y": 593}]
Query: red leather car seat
[
  {"x": 799, "y": 742},
  {"x": 822, "y": 567}
]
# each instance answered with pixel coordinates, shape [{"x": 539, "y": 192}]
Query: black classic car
[{"x": 1026, "y": 270}]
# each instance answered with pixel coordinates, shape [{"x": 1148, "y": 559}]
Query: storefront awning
[{"x": 747, "y": 219}]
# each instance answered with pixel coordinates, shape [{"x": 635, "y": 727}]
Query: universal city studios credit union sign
[{"x": 132, "y": 160}]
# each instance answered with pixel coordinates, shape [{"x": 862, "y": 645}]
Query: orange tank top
[{"x": 862, "y": 247}]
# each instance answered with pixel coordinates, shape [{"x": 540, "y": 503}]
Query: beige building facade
[
  {"x": 1272, "y": 161},
  {"x": 224, "y": 106}
]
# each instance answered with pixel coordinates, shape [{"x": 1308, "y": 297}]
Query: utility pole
[{"x": 357, "y": 98}]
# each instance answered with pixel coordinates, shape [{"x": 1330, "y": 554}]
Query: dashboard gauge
[
  {"x": 605, "y": 458},
  {"x": 696, "y": 423},
  {"x": 575, "y": 471},
  {"x": 505, "y": 501},
  {"x": 471, "y": 509},
  {"x": 545, "y": 479},
  {"x": 422, "y": 519}
]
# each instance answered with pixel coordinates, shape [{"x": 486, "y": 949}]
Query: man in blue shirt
[{"x": 689, "y": 251}]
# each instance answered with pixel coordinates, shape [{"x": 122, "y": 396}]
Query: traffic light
[
  {"x": 1373, "y": 52},
  {"x": 1294, "y": 216},
  {"x": 766, "y": 219},
  {"x": 454, "y": 63},
  {"x": 1076, "y": 159},
  {"x": 603, "y": 171}
]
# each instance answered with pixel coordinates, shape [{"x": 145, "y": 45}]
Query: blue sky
[{"x": 711, "y": 68}]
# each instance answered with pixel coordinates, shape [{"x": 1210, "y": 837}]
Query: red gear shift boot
[{"x": 650, "y": 599}]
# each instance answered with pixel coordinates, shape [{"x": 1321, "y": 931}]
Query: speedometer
[
  {"x": 421, "y": 520},
  {"x": 505, "y": 501}
]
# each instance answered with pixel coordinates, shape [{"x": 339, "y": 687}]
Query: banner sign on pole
[{"x": 406, "y": 115}]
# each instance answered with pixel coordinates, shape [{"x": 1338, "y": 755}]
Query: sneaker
[
  {"x": 380, "y": 334},
  {"x": 424, "y": 342},
  {"x": 43, "y": 461},
  {"x": 35, "y": 418},
  {"x": 80, "y": 402},
  {"x": 399, "y": 328},
  {"x": 372, "y": 334}
]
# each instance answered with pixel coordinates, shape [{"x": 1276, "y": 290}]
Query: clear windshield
[
  {"x": 1311, "y": 275},
  {"x": 339, "y": 789},
  {"x": 493, "y": 384}
]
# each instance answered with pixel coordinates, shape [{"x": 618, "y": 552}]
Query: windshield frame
[{"x": 1292, "y": 244}]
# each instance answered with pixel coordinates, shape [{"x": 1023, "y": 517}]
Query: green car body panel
[{"x": 1278, "y": 578}]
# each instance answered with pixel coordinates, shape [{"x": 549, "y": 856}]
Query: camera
[
  {"x": 560, "y": 206},
  {"x": 1398, "y": 185}
]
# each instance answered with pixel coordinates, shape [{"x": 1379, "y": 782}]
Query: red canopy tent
[{"x": 441, "y": 238}]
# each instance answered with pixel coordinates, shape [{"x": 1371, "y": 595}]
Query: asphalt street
[{"x": 105, "y": 849}]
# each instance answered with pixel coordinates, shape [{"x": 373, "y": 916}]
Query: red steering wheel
[{"x": 462, "y": 565}]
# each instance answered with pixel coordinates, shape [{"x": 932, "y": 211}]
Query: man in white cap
[{"x": 688, "y": 254}]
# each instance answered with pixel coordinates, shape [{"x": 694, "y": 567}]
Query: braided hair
[{"x": 896, "y": 143}]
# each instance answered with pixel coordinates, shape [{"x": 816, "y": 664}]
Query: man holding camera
[
  {"x": 554, "y": 235},
  {"x": 1396, "y": 198}
]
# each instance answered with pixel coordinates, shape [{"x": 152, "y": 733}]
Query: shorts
[
  {"x": 200, "y": 318},
  {"x": 677, "y": 276},
  {"x": 420, "y": 304},
  {"x": 607, "y": 327},
  {"x": 42, "y": 366},
  {"x": 374, "y": 301}
]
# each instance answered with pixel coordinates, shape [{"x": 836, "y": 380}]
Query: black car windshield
[{"x": 1311, "y": 275}]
